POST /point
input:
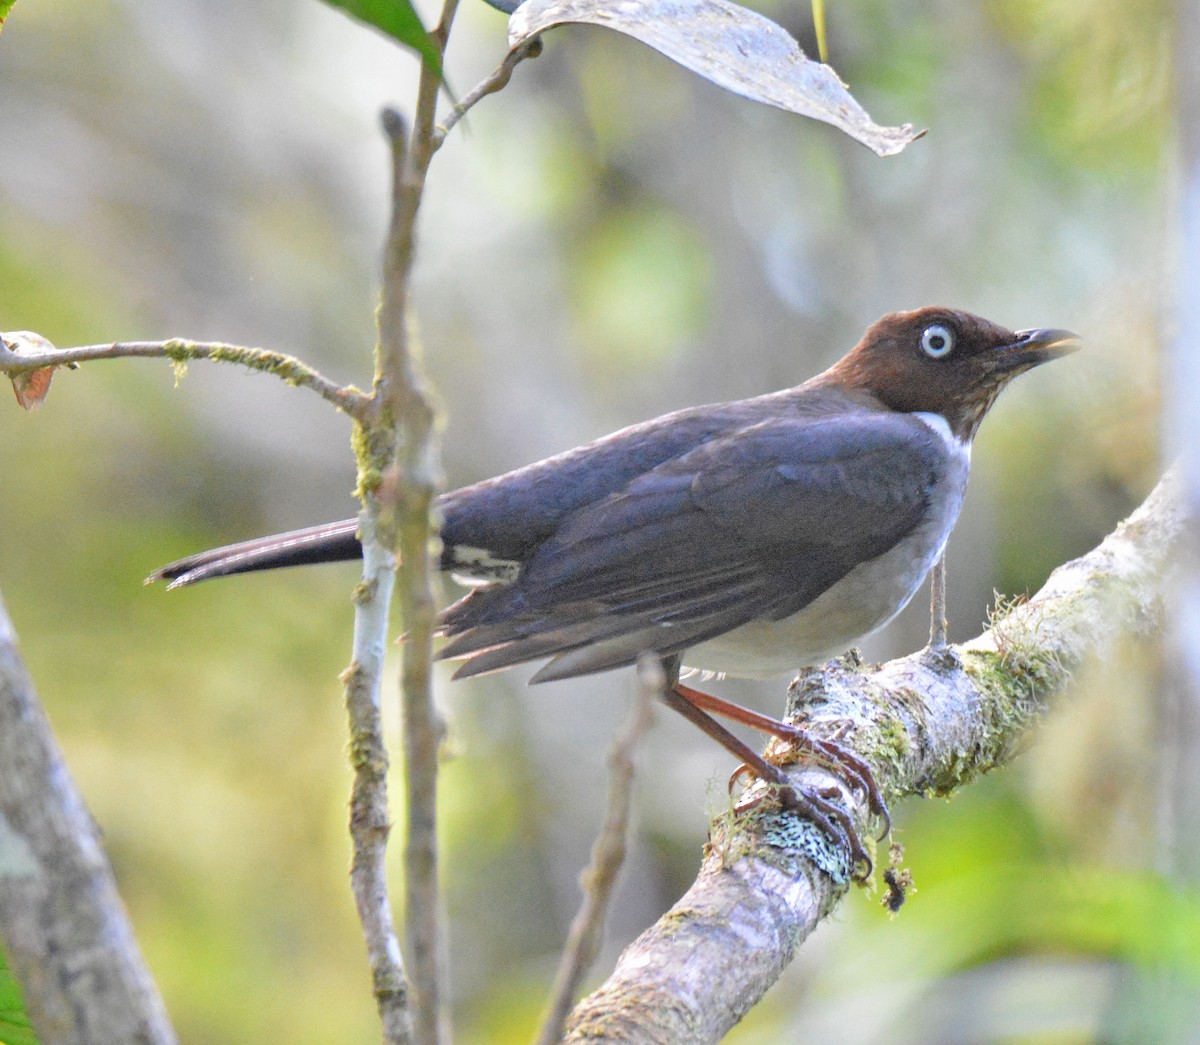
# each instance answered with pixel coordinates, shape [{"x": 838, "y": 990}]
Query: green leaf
[
  {"x": 14, "y": 1024},
  {"x": 5, "y": 7},
  {"x": 397, "y": 19}
]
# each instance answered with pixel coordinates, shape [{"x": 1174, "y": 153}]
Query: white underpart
[
  {"x": 861, "y": 603},
  {"x": 940, "y": 425}
]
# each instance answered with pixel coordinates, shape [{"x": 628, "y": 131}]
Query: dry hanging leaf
[
  {"x": 30, "y": 386},
  {"x": 734, "y": 47}
]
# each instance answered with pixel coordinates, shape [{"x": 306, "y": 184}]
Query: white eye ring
[{"x": 937, "y": 341}]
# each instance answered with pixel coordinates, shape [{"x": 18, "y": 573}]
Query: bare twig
[
  {"x": 937, "y": 604},
  {"x": 608, "y": 854},
  {"x": 370, "y": 823},
  {"x": 400, "y": 389},
  {"x": 63, "y": 925},
  {"x": 398, "y": 482},
  {"x": 181, "y": 351},
  {"x": 926, "y": 724},
  {"x": 497, "y": 81}
]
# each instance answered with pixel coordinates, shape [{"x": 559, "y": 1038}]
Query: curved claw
[
  {"x": 743, "y": 770},
  {"x": 831, "y": 819},
  {"x": 845, "y": 831},
  {"x": 698, "y": 707},
  {"x": 846, "y": 764}
]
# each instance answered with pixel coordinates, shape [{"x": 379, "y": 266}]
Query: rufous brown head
[{"x": 944, "y": 361}]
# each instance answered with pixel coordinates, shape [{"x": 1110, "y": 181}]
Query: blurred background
[{"x": 608, "y": 239}]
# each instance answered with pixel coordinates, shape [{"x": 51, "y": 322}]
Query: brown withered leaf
[
  {"x": 30, "y": 386},
  {"x": 734, "y": 47}
]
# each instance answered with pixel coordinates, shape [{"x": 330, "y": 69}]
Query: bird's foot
[
  {"x": 844, "y": 764},
  {"x": 835, "y": 757},
  {"x": 817, "y": 805},
  {"x": 813, "y": 803}
]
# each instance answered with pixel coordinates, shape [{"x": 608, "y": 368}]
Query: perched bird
[{"x": 747, "y": 538}]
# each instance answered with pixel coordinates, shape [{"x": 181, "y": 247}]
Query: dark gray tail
[{"x": 332, "y": 542}]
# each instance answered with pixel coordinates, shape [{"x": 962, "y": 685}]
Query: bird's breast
[{"x": 859, "y": 604}]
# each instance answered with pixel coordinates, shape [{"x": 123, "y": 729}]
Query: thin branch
[
  {"x": 399, "y": 478},
  {"x": 937, "y": 604},
  {"x": 383, "y": 522},
  {"x": 180, "y": 352},
  {"x": 65, "y": 930},
  {"x": 497, "y": 81},
  {"x": 926, "y": 724},
  {"x": 397, "y": 483},
  {"x": 370, "y": 822},
  {"x": 608, "y": 854}
]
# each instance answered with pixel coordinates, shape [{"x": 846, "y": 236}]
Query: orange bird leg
[
  {"x": 830, "y": 818},
  {"x": 838, "y": 759}
]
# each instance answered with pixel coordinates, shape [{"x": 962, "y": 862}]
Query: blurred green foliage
[
  {"x": 630, "y": 316},
  {"x": 14, "y": 1024},
  {"x": 608, "y": 239},
  {"x": 1101, "y": 74}
]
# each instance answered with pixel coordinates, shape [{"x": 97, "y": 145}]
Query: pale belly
[{"x": 860, "y": 604}]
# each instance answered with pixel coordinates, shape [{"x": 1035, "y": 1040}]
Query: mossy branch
[
  {"x": 927, "y": 724},
  {"x": 180, "y": 352},
  {"x": 395, "y": 442}
]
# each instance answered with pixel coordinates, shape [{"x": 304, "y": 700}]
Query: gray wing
[
  {"x": 752, "y": 524},
  {"x": 509, "y": 516}
]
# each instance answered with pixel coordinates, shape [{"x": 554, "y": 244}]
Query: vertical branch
[
  {"x": 937, "y": 604},
  {"x": 405, "y": 502},
  {"x": 398, "y": 482},
  {"x": 400, "y": 491},
  {"x": 67, "y": 934},
  {"x": 370, "y": 823}
]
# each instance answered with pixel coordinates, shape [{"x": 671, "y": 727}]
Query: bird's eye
[{"x": 937, "y": 341}]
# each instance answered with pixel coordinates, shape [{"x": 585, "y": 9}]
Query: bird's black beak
[{"x": 1034, "y": 347}]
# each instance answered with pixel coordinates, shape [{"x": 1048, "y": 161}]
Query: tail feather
[{"x": 331, "y": 542}]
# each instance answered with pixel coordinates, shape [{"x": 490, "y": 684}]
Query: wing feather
[{"x": 751, "y": 524}]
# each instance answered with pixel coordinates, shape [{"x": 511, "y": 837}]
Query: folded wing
[{"x": 754, "y": 523}]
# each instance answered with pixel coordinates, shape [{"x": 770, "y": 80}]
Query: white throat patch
[{"x": 937, "y": 423}]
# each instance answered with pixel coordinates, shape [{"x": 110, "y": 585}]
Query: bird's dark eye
[{"x": 937, "y": 341}]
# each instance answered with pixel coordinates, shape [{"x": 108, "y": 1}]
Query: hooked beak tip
[
  {"x": 1051, "y": 343},
  {"x": 1034, "y": 347}
]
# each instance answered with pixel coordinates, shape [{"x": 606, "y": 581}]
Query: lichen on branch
[{"x": 927, "y": 724}]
